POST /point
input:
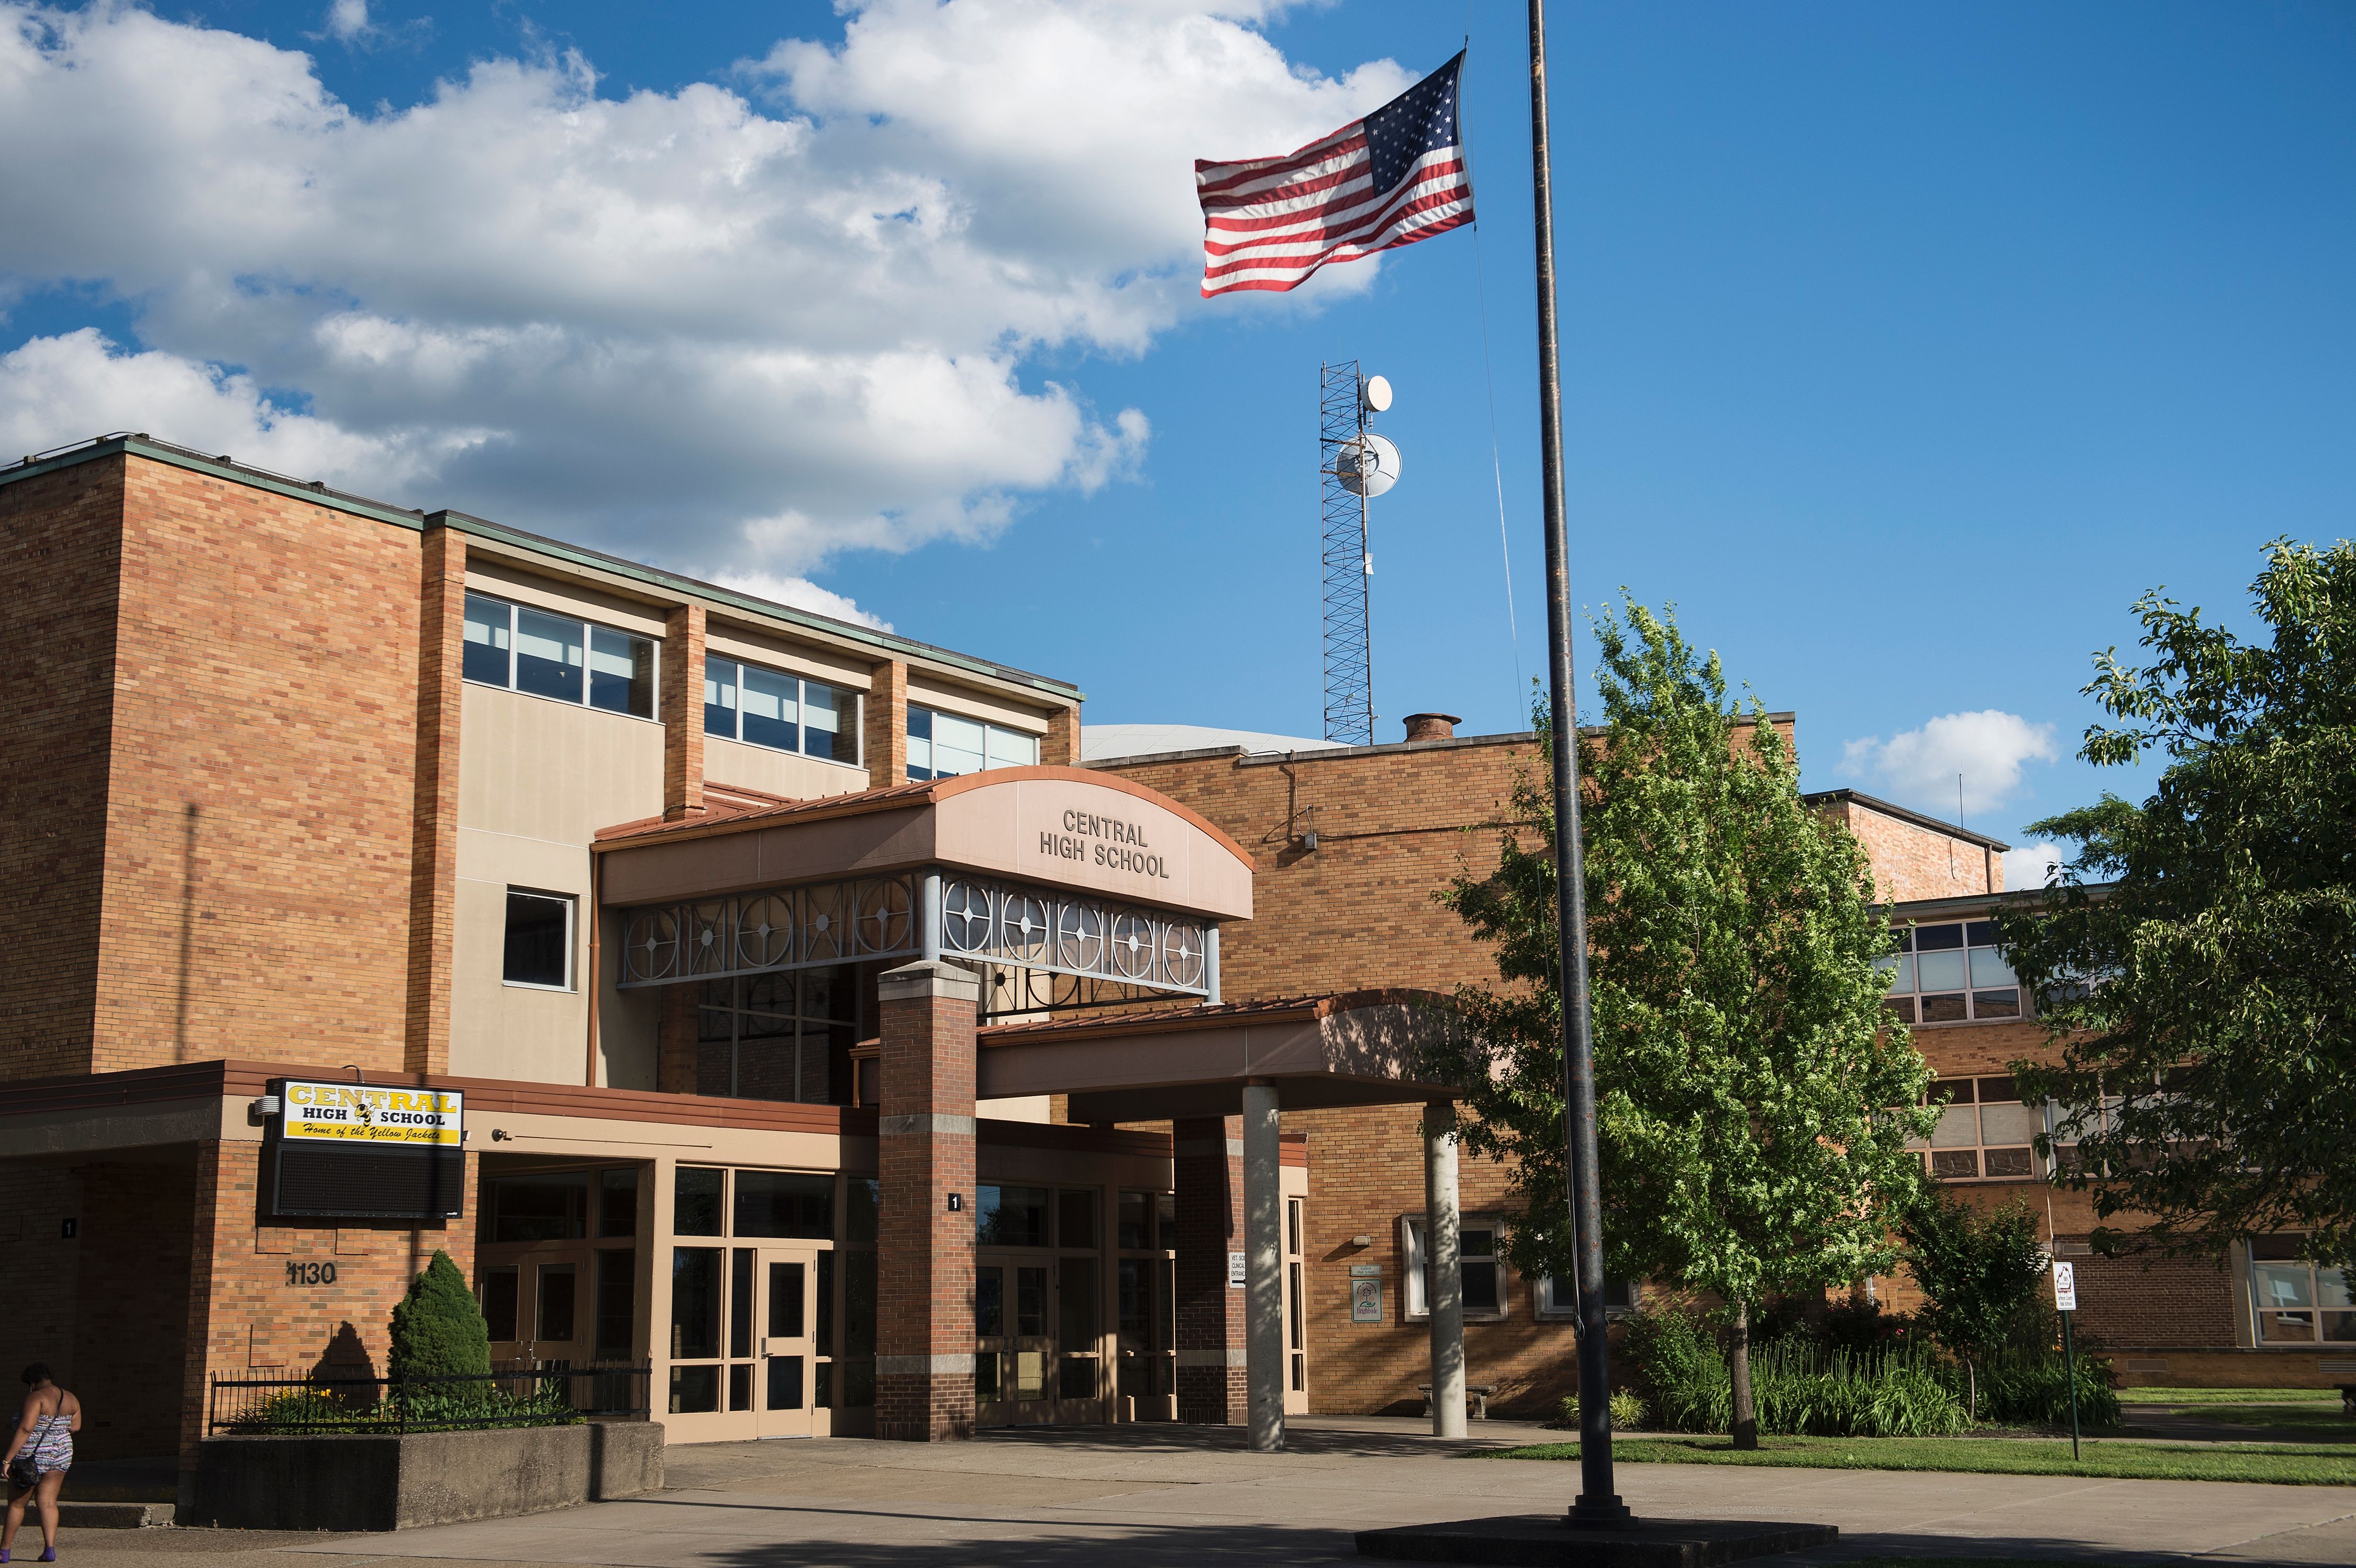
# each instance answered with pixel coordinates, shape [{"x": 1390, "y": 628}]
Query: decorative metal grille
[
  {"x": 1011, "y": 991},
  {"x": 1059, "y": 933},
  {"x": 789, "y": 928}
]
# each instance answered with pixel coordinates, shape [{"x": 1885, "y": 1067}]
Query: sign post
[{"x": 2065, "y": 1302}]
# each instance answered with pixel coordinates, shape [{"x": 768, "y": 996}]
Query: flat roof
[{"x": 319, "y": 493}]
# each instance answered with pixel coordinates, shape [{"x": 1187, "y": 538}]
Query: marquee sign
[
  {"x": 356, "y": 1116},
  {"x": 367, "y": 1151}
]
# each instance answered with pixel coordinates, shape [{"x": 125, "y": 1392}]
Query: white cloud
[
  {"x": 347, "y": 20},
  {"x": 1920, "y": 766},
  {"x": 2031, "y": 866},
  {"x": 803, "y": 594},
  {"x": 734, "y": 333}
]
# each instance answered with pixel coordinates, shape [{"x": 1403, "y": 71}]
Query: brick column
[
  {"x": 886, "y": 740},
  {"x": 1208, "y": 1171},
  {"x": 1061, "y": 748},
  {"x": 925, "y": 1137},
  {"x": 434, "y": 800},
  {"x": 682, "y": 713},
  {"x": 675, "y": 1047}
]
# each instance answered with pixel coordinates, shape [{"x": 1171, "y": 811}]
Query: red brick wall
[
  {"x": 1357, "y": 909},
  {"x": 887, "y": 725},
  {"x": 137, "y": 1223},
  {"x": 59, "y": 540},
  {"x": 249, "y": 1321},
  {"x": 923, "y": 1252},
  {"x": 36, "y": 1308},
  {"x": 258, "y": 820},
  {"x": 433, "y": 802},
  {"x": 682, "y": 712},
  {"x": 1912, "y": 862}
]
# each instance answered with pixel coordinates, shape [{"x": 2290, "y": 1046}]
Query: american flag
[{"x": 1392, "y": 178}]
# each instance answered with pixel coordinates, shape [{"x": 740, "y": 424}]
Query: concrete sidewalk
[{"x": 1145, "y": 1496}]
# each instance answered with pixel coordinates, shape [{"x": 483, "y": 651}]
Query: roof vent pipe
[{"x": 1431, "y": 726}]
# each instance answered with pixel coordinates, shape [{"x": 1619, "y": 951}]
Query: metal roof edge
[{"x": 143, "y": 446}]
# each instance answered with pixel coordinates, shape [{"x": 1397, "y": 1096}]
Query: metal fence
[{"x": 514, "y": 1393}]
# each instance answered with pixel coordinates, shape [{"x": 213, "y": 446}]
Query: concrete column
[
  {"x": 1445, "y": 1294},
  {"x": 1264, "y": 1267},
  {"x": 925, "y": 1141},
  {"x": 1207, "y": 1177}
]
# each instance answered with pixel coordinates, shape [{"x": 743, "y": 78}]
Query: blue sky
[{"x": 1903, "y": 347}]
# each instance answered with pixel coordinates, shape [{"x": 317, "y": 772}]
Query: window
[
  {"x": 1560, "y": 1302},
  {"x": 784, "y": 712},
  {"x": 1296, "y": 1339},
  {"x": 784, "y": 1203},
  {"x": 1481, "y": 1277},
  {"x": 2297, "y": 1302},
  {"x": 538, "y": 940},
  {"x": 1010, "y": 1217},
  {"x": 943, "y": 745},
  {"x": 1950, "y": 974},
  {"x": 1984, "y": 1132},
  {"x": 552, "y": 1208},
  {"x": 558, "y": 657},
  {"x": 777, "y": 1035}
]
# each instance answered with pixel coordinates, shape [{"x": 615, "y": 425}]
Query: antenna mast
[{"x": 1348, "y": 561}]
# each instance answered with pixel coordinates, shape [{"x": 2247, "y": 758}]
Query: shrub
[
  {"x": 1627, "y": 1410},
  {"x": 2030, "y": 1387},
  {"x": 1857, "y": 1326},
  {"x": 1796, "y": 1387},
  {"x": 437, "y": 1329}
]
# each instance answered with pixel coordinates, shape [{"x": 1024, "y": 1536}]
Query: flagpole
[{"x": 1597, "y": 1503}]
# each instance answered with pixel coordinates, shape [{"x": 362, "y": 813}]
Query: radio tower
[{"x": 1348, "y": 562}]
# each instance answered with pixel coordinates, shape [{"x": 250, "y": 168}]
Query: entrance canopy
[
  {"x": 1356, "y": 1048},
  {"x": 1075, "y": 887}
]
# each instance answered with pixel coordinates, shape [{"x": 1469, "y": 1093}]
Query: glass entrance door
[
  {"x": 1015, "y": 1341},
  {"x": 786, "y": 1313}
]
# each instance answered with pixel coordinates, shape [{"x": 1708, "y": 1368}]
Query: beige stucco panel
[
  {"x": 489, "y": 574},
  {"x": 931, "y": 691},
  {"x": 545, "y": 769},
  {"x": 778, "y": 654},
  {"x": 733, "y": 863},
  {"x": 1008, "y": 828},
  {"x": 783, "y": 773},
  {"x": 498, "y": 1030}
]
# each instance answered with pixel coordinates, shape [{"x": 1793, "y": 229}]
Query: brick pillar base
[
  {"x": 925, "y": 1137},
  {"x": 1208, "y": 1170}
]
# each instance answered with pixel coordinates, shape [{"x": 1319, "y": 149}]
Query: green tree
[
  {"x": 1744, "y": 1064},
  {"x": 1979, "y": 1275},
  {"x": 2196, "y": 964},
  {"x": 437, "y": 1329}
]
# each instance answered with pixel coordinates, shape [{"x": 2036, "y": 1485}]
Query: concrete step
[{"x": 74, "y": 1515}]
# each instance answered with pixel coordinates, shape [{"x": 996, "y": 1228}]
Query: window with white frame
[
  {"x": 785, "y": 712},
  {"x": 1561, "y": 1301},
  {"x": 2296, "y": 1302},
  {"x": 1984, "y": 1132},
  {"x": 944, "y": 746},
  {"x": 1480, "y": 1273},
  {"x": 1951, "y": 973},
  {"x": 558, "y": 657},
  {"x": 539, "y": 949}
]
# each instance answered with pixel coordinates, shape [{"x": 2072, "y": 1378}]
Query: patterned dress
[{"x": 51, "y": 1443}]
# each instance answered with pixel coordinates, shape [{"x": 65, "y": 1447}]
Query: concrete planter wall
[{"x": 369, "y": 1482}]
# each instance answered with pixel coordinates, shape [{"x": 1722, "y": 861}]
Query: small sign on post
[{"x": 2065, "y": 1302}]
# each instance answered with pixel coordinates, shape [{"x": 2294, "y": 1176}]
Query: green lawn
[
  {"x": 2310, "y": 1465},
  {"x": 2328, "y": 1419},
  {"x": 2229, "y": 1396}
]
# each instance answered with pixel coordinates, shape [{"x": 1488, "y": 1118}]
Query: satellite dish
[
  {"x": 1367, "y": 466},
  {"x": 1375, "y": 395}
]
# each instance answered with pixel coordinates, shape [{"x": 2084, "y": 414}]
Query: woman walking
[{"x": 39, "y": 1453}]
